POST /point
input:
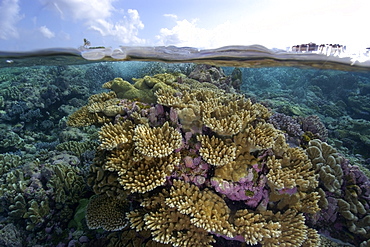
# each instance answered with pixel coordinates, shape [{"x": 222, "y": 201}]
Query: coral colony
[
  {"x": 179, "y": 160},
  {"x": 183, "y": 163}
]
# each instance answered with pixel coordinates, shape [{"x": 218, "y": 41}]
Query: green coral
[
  {"x": 36, "y": 213},
  {"x": 10, "y": 140},
  {"x": 10, "y": 236},
  {"x": 67, "y": 183},
  {"x": 8, "y": 162},
  {"x": 12, "y": 182},
  {"x": 79, "y": 215},
  {"x": 77, "y": 148},
  {"x": 143, "y": 88},
  {"x": 18, "y": 208}
]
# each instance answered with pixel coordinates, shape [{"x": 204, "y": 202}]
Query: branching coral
[
  {"x": 206, "y": 209},
  {"x": 156, "y": 142},
  {"x": 142, "y": 163},
  {"x": 88, "y": 115},
  {"x": 293, "y": 181},
  {"x": 254, "y": 227},
  {"x": 112, "y": 136},
  {"x": 215, "y": 151}
]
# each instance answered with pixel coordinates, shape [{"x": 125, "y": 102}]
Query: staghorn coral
[
  {"x": 313, "y": 238},
  {"x": 143, "y": 175},
  {"x": 175, "y": 229},
  {"x": 106, "y": 212},
  {"x": 293, "y": 229},
  {"x": 293, "y": 181},
  {"x": 168, "y": 225}
]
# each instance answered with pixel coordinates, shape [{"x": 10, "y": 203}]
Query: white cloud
[
  {"x": 187, "y": 33},
  {"x": 279, "y": 24},
  {"x": 9, "y": 17},
  {"x": 46, "y": 32},
  {"x": 81, "y": 9},
  {"x": 170, "y": 16},
  {"x": 126, "y": 30},
  {"x": 101, "y": 16}
]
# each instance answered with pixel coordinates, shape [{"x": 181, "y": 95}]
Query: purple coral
[
  {"x": 314, "y": 125},
  {"x": 246, "y": 189},
  {"x": 286, "y": 123},
  {"x": 289, "y": 125}
]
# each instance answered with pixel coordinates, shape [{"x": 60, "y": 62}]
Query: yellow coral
[
  {"x": 215, "y": 151},
  {"x": 206, "y": 209},
  {"x": 262, "y": 136},
  {"x": 167, "y": 225},
  {"x": 313, "y": 239},
  {"x": 143, "y": 175},
  {"x": 293, "y": 172},
  {"x": 293, "y": 230},
  {"x": 170, "y": 226},
  {"x": 112, "y": 136},
  {"x": 254, "y": 227},
  {"x": 158, "y": 141}
]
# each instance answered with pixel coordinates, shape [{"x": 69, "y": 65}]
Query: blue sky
[{"x": 35, "y": 24}]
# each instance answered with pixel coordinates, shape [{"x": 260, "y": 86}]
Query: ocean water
[{"x": 51, "y": 169}]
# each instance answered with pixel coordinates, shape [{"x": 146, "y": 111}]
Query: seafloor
[{"x": 184, "y": 155}]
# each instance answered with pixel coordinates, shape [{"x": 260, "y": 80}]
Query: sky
[{"x": 27, "y": 25}]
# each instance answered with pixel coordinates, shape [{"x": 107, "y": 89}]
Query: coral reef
[
  {"x": 169, "y": 158},
  {"x": 176, "y": 160}
]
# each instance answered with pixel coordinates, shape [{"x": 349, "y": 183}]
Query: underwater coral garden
[{"x": 192, "y": 157}]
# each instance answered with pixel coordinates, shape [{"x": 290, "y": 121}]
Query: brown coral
[
  {"x": 167, "y": 225},
  {"x": 88, "y": 115},
  {"x": 293, "y": 173},
  {"x": 106, "y": 212}
]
